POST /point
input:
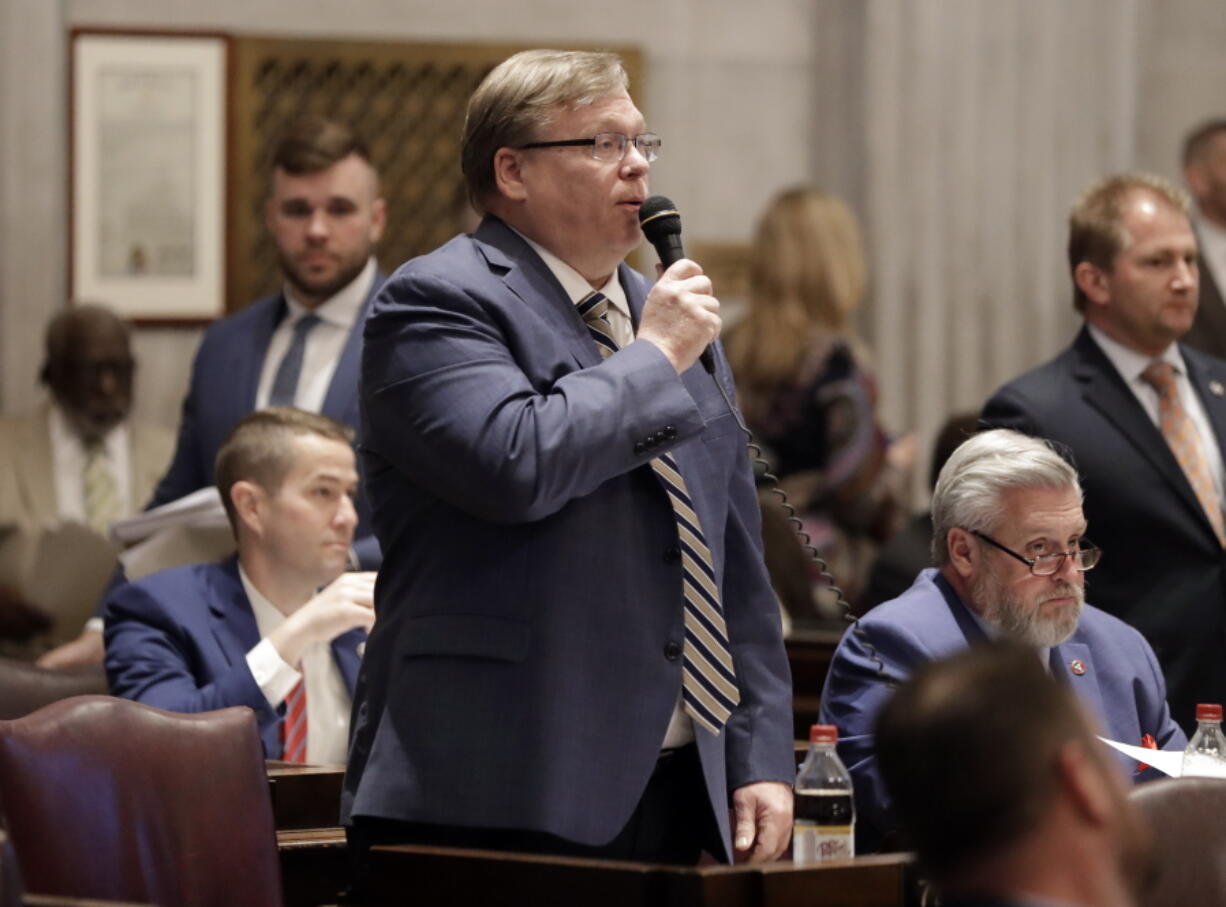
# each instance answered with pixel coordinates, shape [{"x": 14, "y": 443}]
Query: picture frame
[{"x": 148, "y": 173}]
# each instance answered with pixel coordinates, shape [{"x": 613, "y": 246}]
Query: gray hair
[
  {"x": 980, "y": 472},
  {"x": 516, "y": 100}
]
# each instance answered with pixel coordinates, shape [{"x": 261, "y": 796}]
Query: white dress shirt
[
  {"x": 327, "y": 697},
  {"x": 680, "y": 725},
  {"x": 324, "y": 344},
  {"x": 68, "y": 456},
  {"x": 1130, "y": 364}
]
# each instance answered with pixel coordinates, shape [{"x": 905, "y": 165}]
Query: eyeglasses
[
  {"x": 610, "y": 146},
  {"x": 1084, "y": 557}
]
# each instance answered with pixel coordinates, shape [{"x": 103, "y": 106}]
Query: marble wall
[{"x": 959, "y": 129}]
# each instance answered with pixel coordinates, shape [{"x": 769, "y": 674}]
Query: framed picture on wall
[{"x": 148, "y": 173}]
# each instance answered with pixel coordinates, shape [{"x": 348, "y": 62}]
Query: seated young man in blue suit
[
  {"x": 300, "y": 347},
  {"x": 1010, "y": 547},
  {"x": 280, "y": 626}
]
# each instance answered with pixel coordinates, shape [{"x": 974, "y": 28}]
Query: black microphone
[{"x": 661, "y": 223}]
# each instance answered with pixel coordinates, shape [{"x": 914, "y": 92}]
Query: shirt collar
[
  {"x": 340, "y": 310},
  {"x": 574, "y": 283},
  {"x": 1128, "y": 362},
  {"x": 267, "y": 617},
  {"x": 61, "y": 432}
]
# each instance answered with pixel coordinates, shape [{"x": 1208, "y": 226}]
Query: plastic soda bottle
[
  {"x": 825, "y": 811},
  {"x": 1206, "y": 752}
]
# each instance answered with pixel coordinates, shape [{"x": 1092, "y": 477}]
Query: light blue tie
[{"x": 285, "y": 383}]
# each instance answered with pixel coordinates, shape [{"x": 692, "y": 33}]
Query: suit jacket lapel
[
  {"x": 340, "y": 394},
  {"x": 528, "y": 277},
  {"x": 1104, "y": 389},
  {"x": 247, "y": 359},
  {"x": 347, "y": 657},
  {"x": 1073, "y": 664},
  {"x": 232, "y": 620},
  {"x": 37, "y": 467}
]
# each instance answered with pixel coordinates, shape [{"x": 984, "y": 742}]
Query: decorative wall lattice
[{"x": 406, "y": 100}]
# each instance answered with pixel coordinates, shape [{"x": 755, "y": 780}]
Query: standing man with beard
[
  {"x": 1011, "y": 553},
  {"x": 300, "y": 347}
]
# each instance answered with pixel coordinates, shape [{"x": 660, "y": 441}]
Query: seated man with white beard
[{"x": 1011, "y": 553}]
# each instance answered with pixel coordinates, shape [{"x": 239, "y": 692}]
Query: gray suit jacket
[{"x": 527, "y": 652}]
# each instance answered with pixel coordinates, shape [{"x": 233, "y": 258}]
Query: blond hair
[
  {"x": 516, "y": 100},
  {"x": 808, "y": 277}
]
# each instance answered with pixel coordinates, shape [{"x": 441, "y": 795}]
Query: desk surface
[{"x": 436, "y": 875}]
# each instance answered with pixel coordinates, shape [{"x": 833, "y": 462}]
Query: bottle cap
[
  {"x": 1208, "y": 711},
  {"x": 828, "y": 733}
]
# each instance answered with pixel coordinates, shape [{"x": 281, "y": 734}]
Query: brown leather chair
[
  {"x": 25, "y": 687},
  {"x": 1189, "y": 839},
  {"x": 107, "y": 798}
]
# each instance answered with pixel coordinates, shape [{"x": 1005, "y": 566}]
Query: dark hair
[
  {"x": 1198, "y": 140},
  {"x": 312, "y": 144},
  {"x": 258, "y": 449},
  {"x": 967, "y": 749},
  {"x": 68, "y": 328}
]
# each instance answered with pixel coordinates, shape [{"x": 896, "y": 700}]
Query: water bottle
[
  {"x": 1206, "y": 752},
  {"x": 825, "y": 821}
]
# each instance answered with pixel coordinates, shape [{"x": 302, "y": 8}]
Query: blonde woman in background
[{"x": 806, "y": 387}]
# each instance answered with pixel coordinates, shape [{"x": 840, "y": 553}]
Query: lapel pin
[
  {"x": 1077, "y": 666},
  {"x": 1216, "y": 388}
]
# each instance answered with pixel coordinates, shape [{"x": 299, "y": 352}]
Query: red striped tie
[{"x": 294, "y": 727}]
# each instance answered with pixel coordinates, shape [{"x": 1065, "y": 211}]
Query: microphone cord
[{"x": 762, "y": 468}]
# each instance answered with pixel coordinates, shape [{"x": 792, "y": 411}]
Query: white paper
[
  {"x": 199, "y": 510},
  {"x": 1169, "y": 762}
]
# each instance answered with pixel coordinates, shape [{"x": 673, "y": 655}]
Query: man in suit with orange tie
[{"x": 1144, "y": 417}]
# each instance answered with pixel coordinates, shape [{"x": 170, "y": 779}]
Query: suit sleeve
[
  {"x": 759, "y": 733},
  {"x": 446, "y": 403},
  {"x": 152, "y": 658},
  {"x": 186, "y": 472},
  {"x": 872, "y": 659}
]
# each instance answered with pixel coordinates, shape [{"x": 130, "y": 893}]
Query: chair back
[
  {"x": 1189, "y": 840},
  {"x": 108, "y": 798},
  {"x": 25, "y": 687}
]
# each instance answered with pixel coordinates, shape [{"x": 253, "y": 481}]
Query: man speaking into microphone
[{"x": 576, "y": 650}]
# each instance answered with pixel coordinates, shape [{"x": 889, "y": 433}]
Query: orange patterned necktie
[{"x": 1180, "y": 433}]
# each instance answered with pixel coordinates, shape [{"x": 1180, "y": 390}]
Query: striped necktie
[
  {"x": 708, "y": 676},
  {"x": 294, "y": 726},
  {"x": 1184, "y": 440}
]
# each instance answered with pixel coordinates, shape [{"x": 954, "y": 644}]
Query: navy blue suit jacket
[
  {"x": 178, "y": 640},
  {"x": 1121, "y": 682},
  {"x": 1163, "y": 570},
  {"x": 526, "y": 655},
  {"x": 224, "y": 382}
]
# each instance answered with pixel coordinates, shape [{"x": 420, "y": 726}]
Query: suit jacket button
[
  {"x": 639, "y": 447},
  {"x": 670, "y": 432},
  {"x": 672, "y": 555},
  {"x": 672, "y": 650}
]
